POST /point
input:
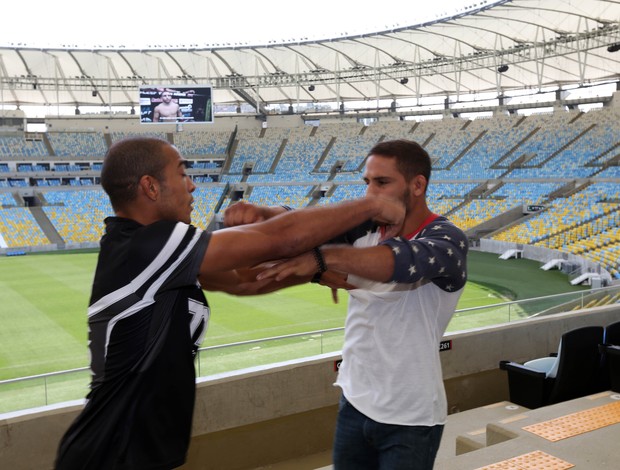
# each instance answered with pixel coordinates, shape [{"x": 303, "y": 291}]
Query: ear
[
  {"x": 418, "y": 185},
  {"x": 150, "y": 187}
]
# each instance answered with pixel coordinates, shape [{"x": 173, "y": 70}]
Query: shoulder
[
  {"x": 169, "y": 236},
  {"x": 171, "y": 230},
  {"x": 441, "y": 227}
]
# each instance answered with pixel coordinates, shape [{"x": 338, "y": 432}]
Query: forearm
[
  {"x": 374, "y": 263},
  {"x": 244, "y": 213},
  {"x": 299, "y": 231},
  {"x": 243, "y": 282},
  {"x": 269, "y": 212}
]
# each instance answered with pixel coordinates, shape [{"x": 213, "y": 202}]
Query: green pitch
[{"x": 43, "y": 301}]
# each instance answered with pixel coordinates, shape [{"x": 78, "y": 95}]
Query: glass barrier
[
  {"x": 44, "y": 389},
  {"x": 228, "y": 357},
  {"x": 57, "y": 387}
]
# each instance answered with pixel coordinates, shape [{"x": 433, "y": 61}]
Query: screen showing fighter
[{"x": 175, "y": 104}]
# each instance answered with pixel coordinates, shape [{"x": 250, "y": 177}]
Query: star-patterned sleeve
[{"x": 437, "y": 254}]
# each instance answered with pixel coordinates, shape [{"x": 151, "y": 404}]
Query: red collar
[{"x": 426, "y": 221}]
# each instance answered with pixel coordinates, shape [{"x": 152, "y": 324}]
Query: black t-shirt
[{"x": 147, "y": 317}]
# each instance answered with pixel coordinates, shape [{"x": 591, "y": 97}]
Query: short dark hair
[
  {"x": 411, "y": 158},
  {"x": 126, "y": 162}
]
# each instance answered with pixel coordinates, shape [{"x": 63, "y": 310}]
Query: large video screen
[{"x": 175, "y": 104}]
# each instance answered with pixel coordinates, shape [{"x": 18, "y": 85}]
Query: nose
[
  {"x": 371, "y": 190},
  {"x": 190, "y": 185}
]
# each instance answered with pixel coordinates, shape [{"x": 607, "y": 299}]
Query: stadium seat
[
  {"x": 611, "y": 354},
  {"x": 610, "y": 350},
  {"x": 574, "y": 373},
  {"x": 612, "y": 333}
]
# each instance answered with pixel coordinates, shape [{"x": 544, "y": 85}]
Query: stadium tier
[
  {"x": 564, "y": 164},
  {"x": 202, "y": 143},
  {"x": 261, "y": 152},
  {"x": 18, "y": 228},
  {"x": 77, "y": 144},
  {"x": 77, "y": 216}
]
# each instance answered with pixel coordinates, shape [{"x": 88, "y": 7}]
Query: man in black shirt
[{"x": 148, "y": 314}]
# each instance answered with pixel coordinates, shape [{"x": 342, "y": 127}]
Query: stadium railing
[{"x": 57, "y": 387}]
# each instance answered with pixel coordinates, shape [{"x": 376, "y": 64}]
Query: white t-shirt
[{"x": 391, "y": 370}]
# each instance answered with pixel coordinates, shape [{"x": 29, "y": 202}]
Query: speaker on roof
[
  {"x": 614, "y": 47},
  {"x": 404, "y": 81},
  {"x": 502, "y": 68},
  {"x": 311, "y": 88}
]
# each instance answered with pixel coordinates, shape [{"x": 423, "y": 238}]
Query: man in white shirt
[{"x": 403, "y": 293}]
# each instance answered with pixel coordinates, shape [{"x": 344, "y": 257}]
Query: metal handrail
[
  {"x": 43, "y": 376},
  {"x": 579, "y": 295},
  {"x": 271, "y": 338}
]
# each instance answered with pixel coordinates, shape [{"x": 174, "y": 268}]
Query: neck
[
  {"x": 414, "y": 219},
  {"x": 143, "y": 217}
]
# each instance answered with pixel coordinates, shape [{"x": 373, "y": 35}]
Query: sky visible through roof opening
[{"x": 139, "y": 24}]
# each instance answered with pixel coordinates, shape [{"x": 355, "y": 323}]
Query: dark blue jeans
[{"x": 363, "y": 444}]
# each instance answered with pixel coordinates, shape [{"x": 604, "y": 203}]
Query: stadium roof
[{"x": 489, "y": 47}]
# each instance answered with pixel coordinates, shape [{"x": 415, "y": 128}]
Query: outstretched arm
[
  {"x": 295, "y": 232},
  {"x": 439, "y": 256},
  {"x": 375, "y": 263}
]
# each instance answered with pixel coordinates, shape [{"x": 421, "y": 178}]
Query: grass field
[{"x": 43, "y": 301}]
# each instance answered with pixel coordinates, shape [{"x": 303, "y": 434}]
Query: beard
[{"x": 406, "y": 200}]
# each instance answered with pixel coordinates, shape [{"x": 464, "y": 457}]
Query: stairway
[{"x": 46, "y": 225}]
